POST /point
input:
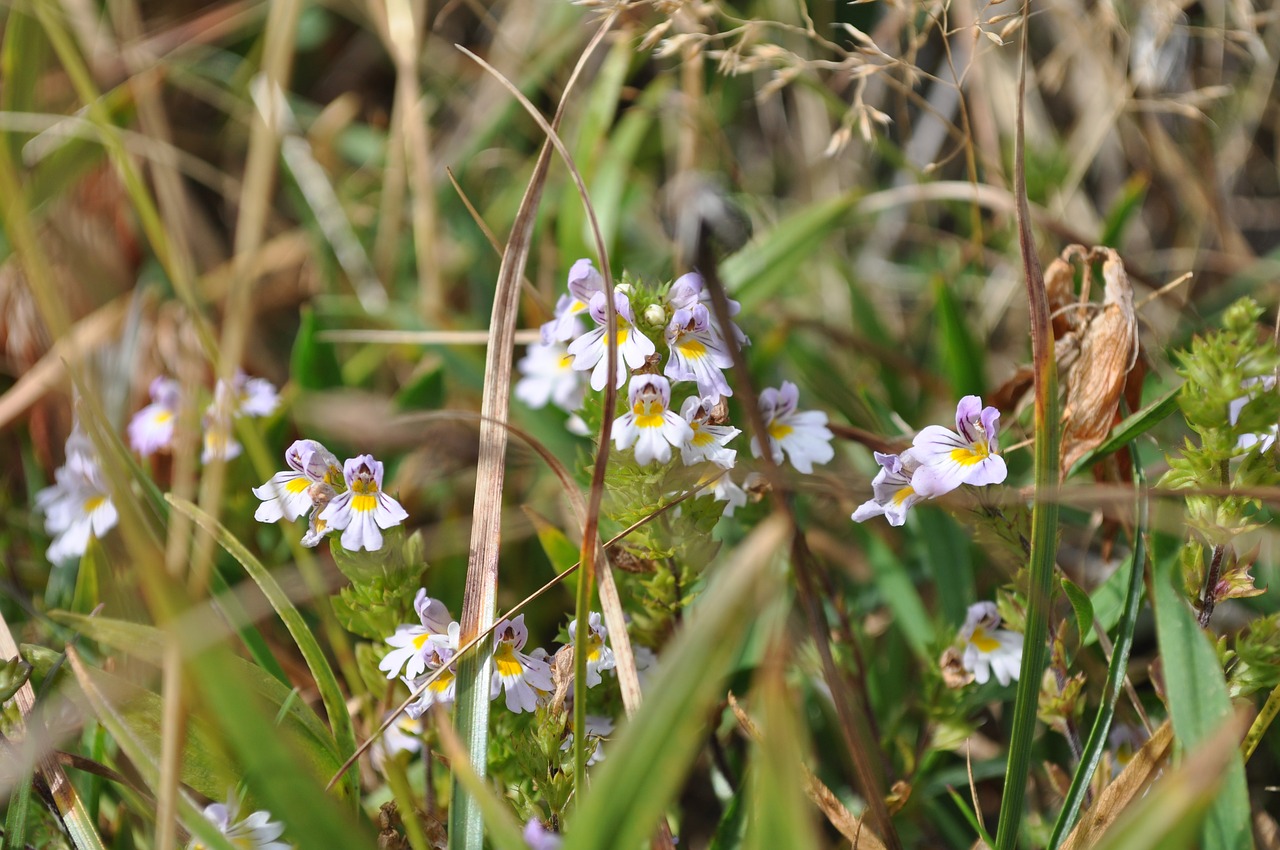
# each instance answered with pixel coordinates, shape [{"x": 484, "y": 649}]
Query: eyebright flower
[
  {"x": 363, "y": 508},
  {"x": 599, "y": 655},
  {"x": 726, "y": 491},
  {"x": 244, "y": 396},
  {"x": 597, "y": 728},
  {"x": 690, "y": 289},
  {"x": 289, "y": 494},
  {"x": 538, "y": 837},
  {"x": 256, "y": 832},
  {"x": 438, "y": 655},
  {"x": 968, "y": 455},
  {"x": 402, "y": 736},
  {"x": 892, "y": 493},
  {"x": 697, "y": 353},
  {"x": 709, "y": 442},
  {"x": 78, "y": 505},
  {"x": 589, "y": 352},
  {"x": 802, "y": 434},
  {"x": 584, "y": 282},
  {"x": 410, "y": 641},
  {"x": 988, "y": 648},
  {"x": 649, "y": 424},
  {"x": 514, "y": 671},
  {"x": 549, "y": 377},
  {"x": 151, "y": 428},
  {"x": 1267, "y": 439}
]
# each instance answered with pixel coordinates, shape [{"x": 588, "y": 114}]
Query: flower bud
[{"x": 655, "y": 314}]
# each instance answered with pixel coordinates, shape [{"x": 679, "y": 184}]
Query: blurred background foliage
[{"x": 866, "y": 144}]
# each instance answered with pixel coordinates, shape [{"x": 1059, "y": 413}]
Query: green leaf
[
  {"x": 14, "y": 673},
  {"x": 962, "y": 358},
  {"x": 313, "y": 364},
  {"x": 330, "y": 694},
  {"x": 769, "y": 262},
  {"x": 1197, "y": 692},
  {"x": 148, "y": 642},
  {"x": 560, "y": 551},
  {"x": 899, "y": 594},
  {"x": 93, "y": 565},
  {"x": 1081, "y": 604},
  {"x": 1129, "y": 202},
  {"x": 649, "y": 758},
  {"x": 425, "y": 391}
]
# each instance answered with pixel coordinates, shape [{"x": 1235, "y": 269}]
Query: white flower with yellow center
[
  {"x": 988, "y": 648},
  {"x": 402, "y": 736},
  {"x": 363, "y": 509},
  {"x": 649, "y": 423},
  {"x": 290, "y": 493},
  {"x": 968, "y": 455},
  {"x": 151, "y": 428},
  {"x": 589, "y": 349},
  {"x": 584, "y": 282},
  {"x": 892, "y": 493},
  {"x": 244, "y": 396},
  {"x": 599, "y": 655},
  {"x": 549, "y": 376},
  {"x": 690, "y": 289},
  {"x": 597, "y": 729},
  {"x": 697, "y": 354},
  {"x": 78, "y": 505},
  {"x": 514, "y": 671},
  {"x": 410, "y": 641},
  {"x": 802, "y": 434},
  {"x": 709, "y": 442},
  {"x": 439, "y": 656},
  {"x": 256, "y": 832}
]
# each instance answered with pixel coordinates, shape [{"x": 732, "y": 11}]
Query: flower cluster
[
  {"x": 676, "y": 326},
  {"x": 77, "y": 506},
  {"x": 349, "y": 498},
  {"x": 939, "y": 461},
  {"x": 151, "y": 428}
]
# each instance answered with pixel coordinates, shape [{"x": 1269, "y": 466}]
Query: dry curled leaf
[{"x": 1137, "y": 775}]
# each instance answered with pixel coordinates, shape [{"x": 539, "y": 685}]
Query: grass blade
[
  {"x": 327, "y": 683},
  {"x": 1044, "y": 511}
]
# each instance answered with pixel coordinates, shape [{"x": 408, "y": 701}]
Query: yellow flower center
[
  {"x": 163, "y": 416},
  {"x": 702, "y": 438},
  {"x": 976, "y": 453},
  {"x": 297, "y": 485},
  {"x": 566, "y": 362},
  {"x": 983, "y": 641},
  {"x": 92, "y": 503},
  {"x": 778, "y": 430},
  {"x": 903, "y": 494},
  {"x": 364, "y": 504},
  {"x": 692, "y": 349},
  {"x": 420, "y": 640},
  {"x": 648, "y": 412},
  {"x": 506, "y": 663},
  {"x": 441, "y": 684}
]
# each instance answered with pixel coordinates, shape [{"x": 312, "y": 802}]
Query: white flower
[
  {"x": 409, "y": 641},
  {"x": 988, "y": 648},
  {"x": 256, "y": 832},
  {"x": 515, "y": 672},
  {"x": 363, "y": 509},
  {"x": 151, "y": 428},
  {"x": 78, "y": 505},
  {"x": 289, "y": 494},
  {"x": 649, "y": 424},
  {"x": 802, "y": 434},
  {"x": 1267, "y": 438},
  {"x": 892, "y": 493},
  {"x": 402, "y": 736},
  {"x": 439, "y": 655},
  {"x": 596, "y": 729},
  {"x": 709, "y": 442},
  {"x": 599, "y": 655},
  {"x": 646, "y": 661},
  {"x": 726, "y": 491},
  {"x": 690, "y": 289},
  {"x": 589, "y": 349},
  {"x": 549, "y": 376},
  {"x": 697, "y": 353},
  {"x": 968, "y": 455},
  {"x": 244, "y": 396},
  {"x": 584, "y": 282}
]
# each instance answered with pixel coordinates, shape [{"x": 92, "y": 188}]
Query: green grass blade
[
  {"x": 1097, "y": 742},
  {"x": 1197, "y": 692},
  {"x": 648, "y": 760},
  {"x": 962, "y": 358},
  {"x": 327, "y": 683}
]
